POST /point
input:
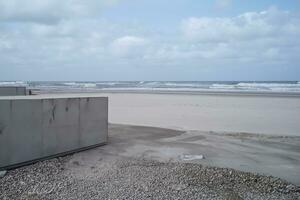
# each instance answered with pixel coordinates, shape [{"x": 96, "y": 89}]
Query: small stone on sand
[
  {"x": 2, "y": 173},
  {"x": 192, "y": 157}
]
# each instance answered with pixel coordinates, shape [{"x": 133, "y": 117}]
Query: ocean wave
[
  {"x": 222, "y": 86},
  {"x": 276, "y": 87},
  {"x": 269, "y": 84},
  {"x": 288, "y": 86},
  {"x": 154, "y": 83},
  {"x": 13, "y": 83},
  {"x": 107, "y": 83},
  {"x": 70, "y": 84},
  {"x": 80, "y": 85},
  {"x": 181, "y": 84},
  {"x": 89, "y": 85}
]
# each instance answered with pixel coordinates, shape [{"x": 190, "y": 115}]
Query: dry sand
[{"x": 231, "y": 113}]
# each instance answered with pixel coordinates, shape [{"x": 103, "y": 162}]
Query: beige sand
[
  {"x": 269, "y": 155},
  {"x": 253, "y": 114}
]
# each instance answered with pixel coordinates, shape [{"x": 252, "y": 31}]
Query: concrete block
[
  {"x": 12, "y": 90},
  {"x": 25, "y": 131},
  {"x": 60, "y": 125},
  {"x": 93, "y": 116},
  {"x": 36, "y": 127},
  {"x": 5, "y": 116}
]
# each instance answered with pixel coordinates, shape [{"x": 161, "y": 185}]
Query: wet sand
[{"x": 263, "y": 154}]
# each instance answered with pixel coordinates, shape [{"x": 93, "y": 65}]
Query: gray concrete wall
[
  {"x": 12, "y": 90},
  {"x": 39, "y": 127}
]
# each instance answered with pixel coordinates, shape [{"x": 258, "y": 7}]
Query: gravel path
[{"x": 141, "y": 179}]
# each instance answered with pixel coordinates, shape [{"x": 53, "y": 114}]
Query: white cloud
[
  {"x": 248, "y": 26},
  {"x": 256, "y": 39},
  {"x": 256, "y": 36},
  {"x": 128, "y": 46}
]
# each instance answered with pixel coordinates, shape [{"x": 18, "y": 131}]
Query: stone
[{"x": 2, "y": 173}]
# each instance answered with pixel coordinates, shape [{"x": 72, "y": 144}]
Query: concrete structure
[
  {"x": 12, "y": 90},
  {"x": 35, "y": 127}
]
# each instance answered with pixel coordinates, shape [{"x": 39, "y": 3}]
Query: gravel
[{"x": 141, "y": 179}]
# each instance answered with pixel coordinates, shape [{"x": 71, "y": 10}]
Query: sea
[{"x": 160, "y": 86}]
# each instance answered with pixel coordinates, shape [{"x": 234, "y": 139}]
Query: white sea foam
[
  {"x": 269, "y": 84},
  {"x": 13, "y": 83},
  {"x": 89, "y": 85},
  {"x": 181, "y": 84},
  {"x": 221, "y": 86},
  {"x": 71, "y": 84},
  {"x": 279, "y": 87},
  {"x": 107, "y": 83},
  {"x": 80, "y": 85}
]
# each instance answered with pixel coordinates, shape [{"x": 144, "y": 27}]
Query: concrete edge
[{"x": 10, "y": 167}]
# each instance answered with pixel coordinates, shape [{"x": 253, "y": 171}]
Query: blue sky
[
  {"x": 96, "y": 40},
  {"x": 170, "y": 12}
]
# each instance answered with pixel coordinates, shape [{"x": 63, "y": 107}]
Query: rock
[
  {"x": 179, "y": 187},
  {"x": 22, "y": 183},
  {"x": 192, "y": 157},
  {"x": 291, "y": 188},
  {"x": 2, "y": 173}
]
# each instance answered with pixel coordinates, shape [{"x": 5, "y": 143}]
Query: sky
[{"x": 126, "y": 40}]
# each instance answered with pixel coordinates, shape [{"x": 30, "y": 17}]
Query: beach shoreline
[
  {"x": 254, "y": 137},
  {"x": 37, "y": 90}
]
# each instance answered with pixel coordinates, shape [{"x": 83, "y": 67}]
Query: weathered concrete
[
  {"x": 12, "y": 90},
  {"x": 34, "y": 127}
]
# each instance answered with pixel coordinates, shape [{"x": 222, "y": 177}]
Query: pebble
[
  {"x": 179, "y": 187},
  {"x": 2, "y": 173},
  {"x": 141, "y": 179}
]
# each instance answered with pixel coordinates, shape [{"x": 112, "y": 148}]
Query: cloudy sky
[{"x": 96, "y": 40}]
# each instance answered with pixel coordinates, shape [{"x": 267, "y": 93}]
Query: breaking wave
[{"x": 263, "y": 86}]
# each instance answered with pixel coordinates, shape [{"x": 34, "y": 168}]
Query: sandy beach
[
  {"x": 231, "y": 113},
  {"x": 156, "y": 141},
  {"x": 257, "y": 133},
  {"x": 251, "y": 133}
]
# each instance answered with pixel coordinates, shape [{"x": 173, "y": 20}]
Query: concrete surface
[
  {"x": 12, "y": 90},
  {"x": 36, "y": 127}
]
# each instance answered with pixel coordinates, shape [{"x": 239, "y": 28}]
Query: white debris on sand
[
  {"x": 191, "y": 157},
  {"x": 2, "y": 173}
]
